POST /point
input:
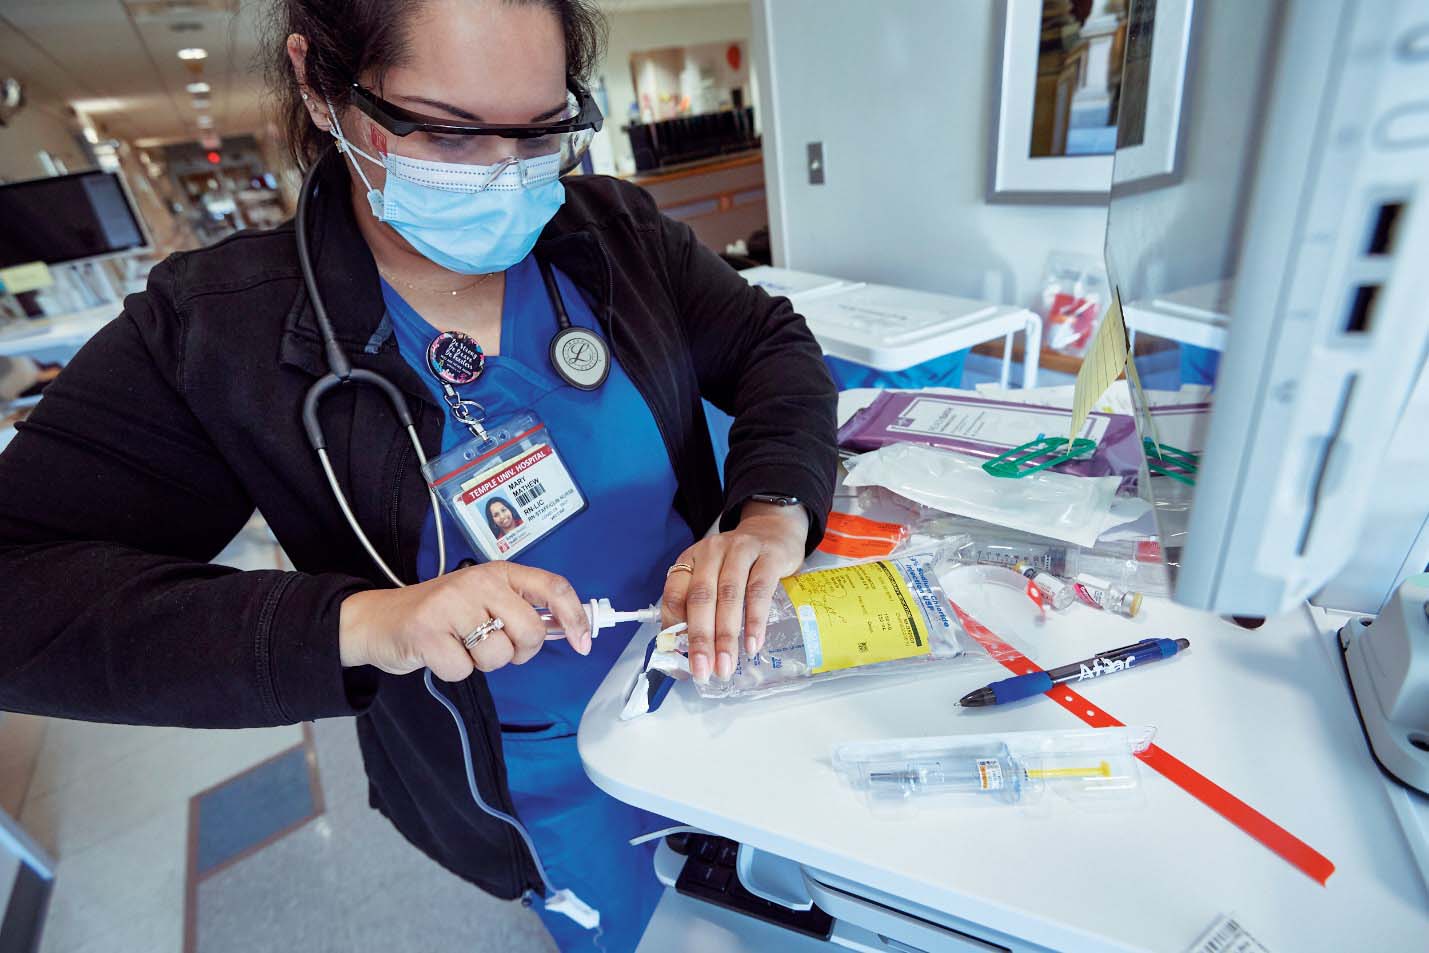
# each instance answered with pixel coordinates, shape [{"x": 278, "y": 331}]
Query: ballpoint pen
[{"x": 1103, "y": 663}]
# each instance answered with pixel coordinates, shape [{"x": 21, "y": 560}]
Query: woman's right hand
[{"x": 422, "y": 626}]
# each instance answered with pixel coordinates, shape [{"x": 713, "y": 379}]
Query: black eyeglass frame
[{"x": 404, "y": 122}]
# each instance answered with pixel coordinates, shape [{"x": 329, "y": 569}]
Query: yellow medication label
[{"x": 857, "y": 615}]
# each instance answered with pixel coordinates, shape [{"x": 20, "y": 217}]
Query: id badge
[{"x": 509, "y": 491}]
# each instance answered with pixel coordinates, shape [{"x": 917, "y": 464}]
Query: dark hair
[
  {"x": 349, "y": 38},
  {"x": 497, "y": 531}
]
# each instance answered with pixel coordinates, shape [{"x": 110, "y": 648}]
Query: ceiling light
[
  {"x": 205, "y": 122},
  {"x": 91, "y": 107},
  {"x": 201, "y": 102},
  {"x": 193, "y": 53},
  {"x": 90, "y": 136},
  {"x": 198, "y": 88}
]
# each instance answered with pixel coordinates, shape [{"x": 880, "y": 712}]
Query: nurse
[{"x": 452, "y": 259}]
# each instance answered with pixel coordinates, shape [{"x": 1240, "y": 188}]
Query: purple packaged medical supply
[{"x": 986, "y": 428}]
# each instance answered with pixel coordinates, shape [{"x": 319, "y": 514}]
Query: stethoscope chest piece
[{"x": 580, "y": 357}]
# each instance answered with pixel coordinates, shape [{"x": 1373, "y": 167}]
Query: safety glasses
[{"x": 446, "y": 140}]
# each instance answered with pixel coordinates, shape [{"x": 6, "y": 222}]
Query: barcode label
[
  {"x": 989, "y": 773},
  {"x": 1227, "y": 936},
  {"x": 529, "y": 492}
]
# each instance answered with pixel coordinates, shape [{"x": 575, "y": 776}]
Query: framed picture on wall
[{"x": 1084, "y": 82}]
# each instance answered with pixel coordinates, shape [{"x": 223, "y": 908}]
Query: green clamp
[
  {"x": 1020, "y": 461},
  {"x": 1166, "y": 460}
]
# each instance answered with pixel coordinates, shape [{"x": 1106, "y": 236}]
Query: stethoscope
[{"x": 578, "y": 355}]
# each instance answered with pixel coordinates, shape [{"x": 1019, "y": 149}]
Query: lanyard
[{"x": 578, "y": 355}]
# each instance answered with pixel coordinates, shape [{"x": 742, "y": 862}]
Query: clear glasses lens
[
  {"x": 565, "y": 148},
  {"x": 569, "y": 147}
]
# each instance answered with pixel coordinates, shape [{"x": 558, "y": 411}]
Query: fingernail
[
  {"x": 700, "y": 668},
  {"x": 724, "y": 664},
  {"x": 751, "y": 645},
  {"x": 586, "y": 644}
]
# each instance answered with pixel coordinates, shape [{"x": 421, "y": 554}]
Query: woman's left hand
[{"x": 731, "y": 584}]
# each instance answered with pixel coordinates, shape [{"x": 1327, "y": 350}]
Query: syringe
[
  {"x": 1000, "y": 775},
  {"x": 601, "y": 615}
]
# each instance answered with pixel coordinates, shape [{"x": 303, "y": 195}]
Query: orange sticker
[
  {"x": 846, "y": 524},
  {"x": 856, "y": 547}
]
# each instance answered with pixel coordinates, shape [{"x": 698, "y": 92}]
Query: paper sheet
[
  {"x": 31, "y": 276},
  {"x": 1105, "y": 360}
]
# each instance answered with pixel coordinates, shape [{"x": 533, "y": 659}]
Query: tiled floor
[
  {"x": 112, "y": 803},
  {"x": 349, "y": 882},
  {"x": 343, "y": 882}
]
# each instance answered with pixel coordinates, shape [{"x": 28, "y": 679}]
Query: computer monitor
[
  {"x": 1281, "y": 270},
  {"x": 68, "y": 219}
]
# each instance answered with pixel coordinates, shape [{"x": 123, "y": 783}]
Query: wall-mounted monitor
[{"x": 68, "y": 218}]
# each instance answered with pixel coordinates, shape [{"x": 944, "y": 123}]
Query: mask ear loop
[{"x": 345, "y": 146}]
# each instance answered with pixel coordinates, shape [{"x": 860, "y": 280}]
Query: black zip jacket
[{"x": 154, "y": 446}]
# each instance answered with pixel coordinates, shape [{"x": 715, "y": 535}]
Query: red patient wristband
[{"x": 1291, "y": 849}]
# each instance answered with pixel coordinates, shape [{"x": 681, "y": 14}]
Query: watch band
[{"x": 778, "y": 499}]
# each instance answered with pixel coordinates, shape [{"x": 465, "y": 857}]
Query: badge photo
[{"x": 509, "y": 497}]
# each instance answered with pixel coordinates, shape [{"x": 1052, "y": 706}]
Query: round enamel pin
[{"x": 455, "y": 358}]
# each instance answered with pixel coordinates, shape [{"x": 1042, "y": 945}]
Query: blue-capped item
[{"x": 1103, "y": 663}]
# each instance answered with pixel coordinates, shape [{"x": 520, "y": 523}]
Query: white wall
[
  {"x": 636, "y": 31},
  {"x": 1169, "y": 239},
  {"x": 901, "y": 96},
  {"x": 31, "y": 130}
]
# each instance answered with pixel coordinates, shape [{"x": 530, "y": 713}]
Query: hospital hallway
[{"x": 172, "y": 840}]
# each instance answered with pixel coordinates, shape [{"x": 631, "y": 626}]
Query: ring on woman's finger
[
  {"x": 482, "y": 632},
  {"x": 679, "y": 567}
]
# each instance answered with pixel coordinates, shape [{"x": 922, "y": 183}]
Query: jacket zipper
[{"x": 395, "y": 506}]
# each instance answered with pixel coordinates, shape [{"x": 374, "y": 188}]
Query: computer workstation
[{"x": 1309, "y": 720}]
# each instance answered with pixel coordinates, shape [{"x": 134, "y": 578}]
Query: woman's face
[
  {"x": 501, "y": 516},
  {"x": 485, "y": 61}
]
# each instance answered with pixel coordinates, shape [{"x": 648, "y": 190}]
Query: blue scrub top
[{"x": 621, "y": 544}]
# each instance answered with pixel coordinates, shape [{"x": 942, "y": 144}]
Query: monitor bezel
[{"x": 147, "y": 240}]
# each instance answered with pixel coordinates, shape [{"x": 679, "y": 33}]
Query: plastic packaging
[
  {"x": 1081, "y": 765},
  {"x": 1074, "y": 295},
  {"x": 1070, "y": 508},
  {"x": 879, "y": 616},
  {"x": 857, "y": 537},
  {"x": 1131, "y": 565},
  {"x": 985, "y": 428}
]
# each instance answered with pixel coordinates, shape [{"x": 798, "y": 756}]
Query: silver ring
[{"x": 482, "y": 632}]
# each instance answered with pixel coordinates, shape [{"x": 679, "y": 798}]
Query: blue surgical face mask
[{"x": 471, "y": 219}]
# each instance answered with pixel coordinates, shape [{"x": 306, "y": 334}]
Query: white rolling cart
[{"x": 892, "y": 329}]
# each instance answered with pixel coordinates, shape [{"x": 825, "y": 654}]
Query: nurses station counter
[
  {"x": 1266, "y": 715},
  {"x": 721, "y": 198}
]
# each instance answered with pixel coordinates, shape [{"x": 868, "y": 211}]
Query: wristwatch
[{"x": 778, "y": 499}]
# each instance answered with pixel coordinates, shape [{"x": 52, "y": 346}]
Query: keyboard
[{"x": 709, "y": 875}]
